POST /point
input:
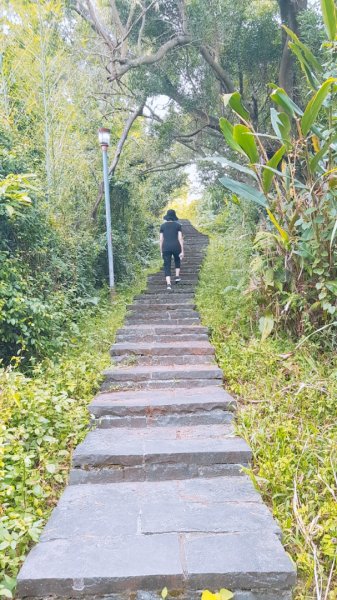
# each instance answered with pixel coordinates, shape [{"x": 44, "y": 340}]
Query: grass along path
[
  {"x": 287, "y": 413},
  {"x": 43, "y": 417}
]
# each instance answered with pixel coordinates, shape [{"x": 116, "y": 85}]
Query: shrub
[{"x": 292, "y": 179}]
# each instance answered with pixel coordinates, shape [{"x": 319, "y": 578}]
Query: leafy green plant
[
  {"x": 292, "y": 177},
  {"x": 287, "y": 408},
  {"x": 14, "y": 193}
]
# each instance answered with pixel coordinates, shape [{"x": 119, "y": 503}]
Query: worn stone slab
[
  {"x": 82, "y": 552},
  {"x": 142, "y": 320},
  {"x": 100, "y": 445},
  {"x": 163, "y": 408},
  {"x": 160, "y": 515},
  {"x": 163, "y": 315},
  {"x": 176, "y": 309},
  {"x": 176, "y": 290},
  {"x": 155, "y": 376},
  {"x": 182, "y": 288},
  {"x": 153, "y": 472},
  {"x": 149, "y": 337},
  {"x": 181, "y": 373},
  {"x": 159, "y": 507},
  {"x": 212, "y": 505},
  {"x": 163, "y": 297},
  {"x": 141, "y": 402},
  {"x": 197, "y": 417},
  {"x": 163, "y": 328},
  {"x": 164, "y": 303},
  {"x": 162, "y": 360},
  {"x": 155, "y": 384},
  {"x": 162, "y": 349},
  {"x": 170, "y": 295},
  {"x": 100, "y": 565},
  {"x": 150, "y": 305},
  {"x": 190, "y": 275},
  {"x": 158, "y": 453},
  {"x": 244, "y": 561}
]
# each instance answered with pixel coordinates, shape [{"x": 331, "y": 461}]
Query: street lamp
[{"x": 104, "y": 140}]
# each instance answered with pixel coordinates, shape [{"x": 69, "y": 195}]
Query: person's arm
[
  {"x": 161, "y": 240},
  {"x": 181, "y": 242}
]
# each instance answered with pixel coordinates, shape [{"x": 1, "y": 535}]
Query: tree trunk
[{"x": 289, "y": 10}]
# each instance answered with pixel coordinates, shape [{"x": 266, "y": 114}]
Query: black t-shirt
[{"x": 170, "y": 230}]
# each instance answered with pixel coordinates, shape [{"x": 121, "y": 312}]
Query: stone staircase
[{"x": 156, "y": 496}]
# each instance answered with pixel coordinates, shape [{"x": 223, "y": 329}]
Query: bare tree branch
[
  {"x": 116, "y": 18},
  {"x": 130, "y": 15},
  {"x": 133, "y": 116},
  {"x": 165, "y": 167},
  {"x": 150, "y": 59},
  {"x": 99, "y": 26},
  {"x": 145, "y": 10},
  {"x": 183, "y": 15},
  {"x": 193, "y": 133},
  {"x": 140, "y": 33},
  {"x": 218, "y": 70},
  {"x": 96, "y": 26}
]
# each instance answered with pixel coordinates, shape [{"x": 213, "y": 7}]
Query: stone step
[
  {"x": 158, "y": 453},
  {"x": 162, "y": 296},
  {"x": 182, "y": 287},
  {"x": 168, "y": 337},
  {"x": 153, "y": 309},
  {"x": 161, "y": 314},
  {"x": 159, "y": 377},
  {"x": 160, "y": 282},
  {"x": 176, "y": 290},
  {"x": 167, "y": 328},
  {"x": 191, "y": 277},
  {"x": 188, "y": 272},
  {"x": 129, "y": 540},
  {"x": 162, "y": 349},
  {"x": 158, "y": 329},
  {"x": 164, "y": 360},
  {"x": 150, "y": 305},
  {"x": 142, "y": 320},
  {"x": 162, "y": 292},
  {"x": 162, "y": 333},
  {"x": 185, "y": 406},
  {"x": 190, "y": 269}
]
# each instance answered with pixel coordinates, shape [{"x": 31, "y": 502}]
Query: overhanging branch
[{"x": 133, "y": 116}]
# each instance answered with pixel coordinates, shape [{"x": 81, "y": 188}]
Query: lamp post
[{"x": 104, "y": 140}]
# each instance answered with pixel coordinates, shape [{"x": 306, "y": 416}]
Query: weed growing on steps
[
  {"x": 287, "y": 413},
  {"x": 43, "y": 418}
]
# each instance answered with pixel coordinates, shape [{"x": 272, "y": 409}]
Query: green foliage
[
  {"x": 53, "y": 257},
  {"x": 13, "y": 194},
  {"x": 294, "y": 270},
  {"x": 44, "y": 417},
  {"x": 287, "y": 408},
  {"x": 329, "y": 17}
]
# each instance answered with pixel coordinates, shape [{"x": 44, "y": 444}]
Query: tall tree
[
  {"x": 289, "y": 11},
  {"x": 189, "y": 52}
]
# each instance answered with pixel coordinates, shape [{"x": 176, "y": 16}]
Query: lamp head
[{"x": 104, "y": 136}]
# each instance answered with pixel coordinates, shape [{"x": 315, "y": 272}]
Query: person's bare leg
[
  {"x": 168, "y": 280},
  {"x": 177, "y": 272}
]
